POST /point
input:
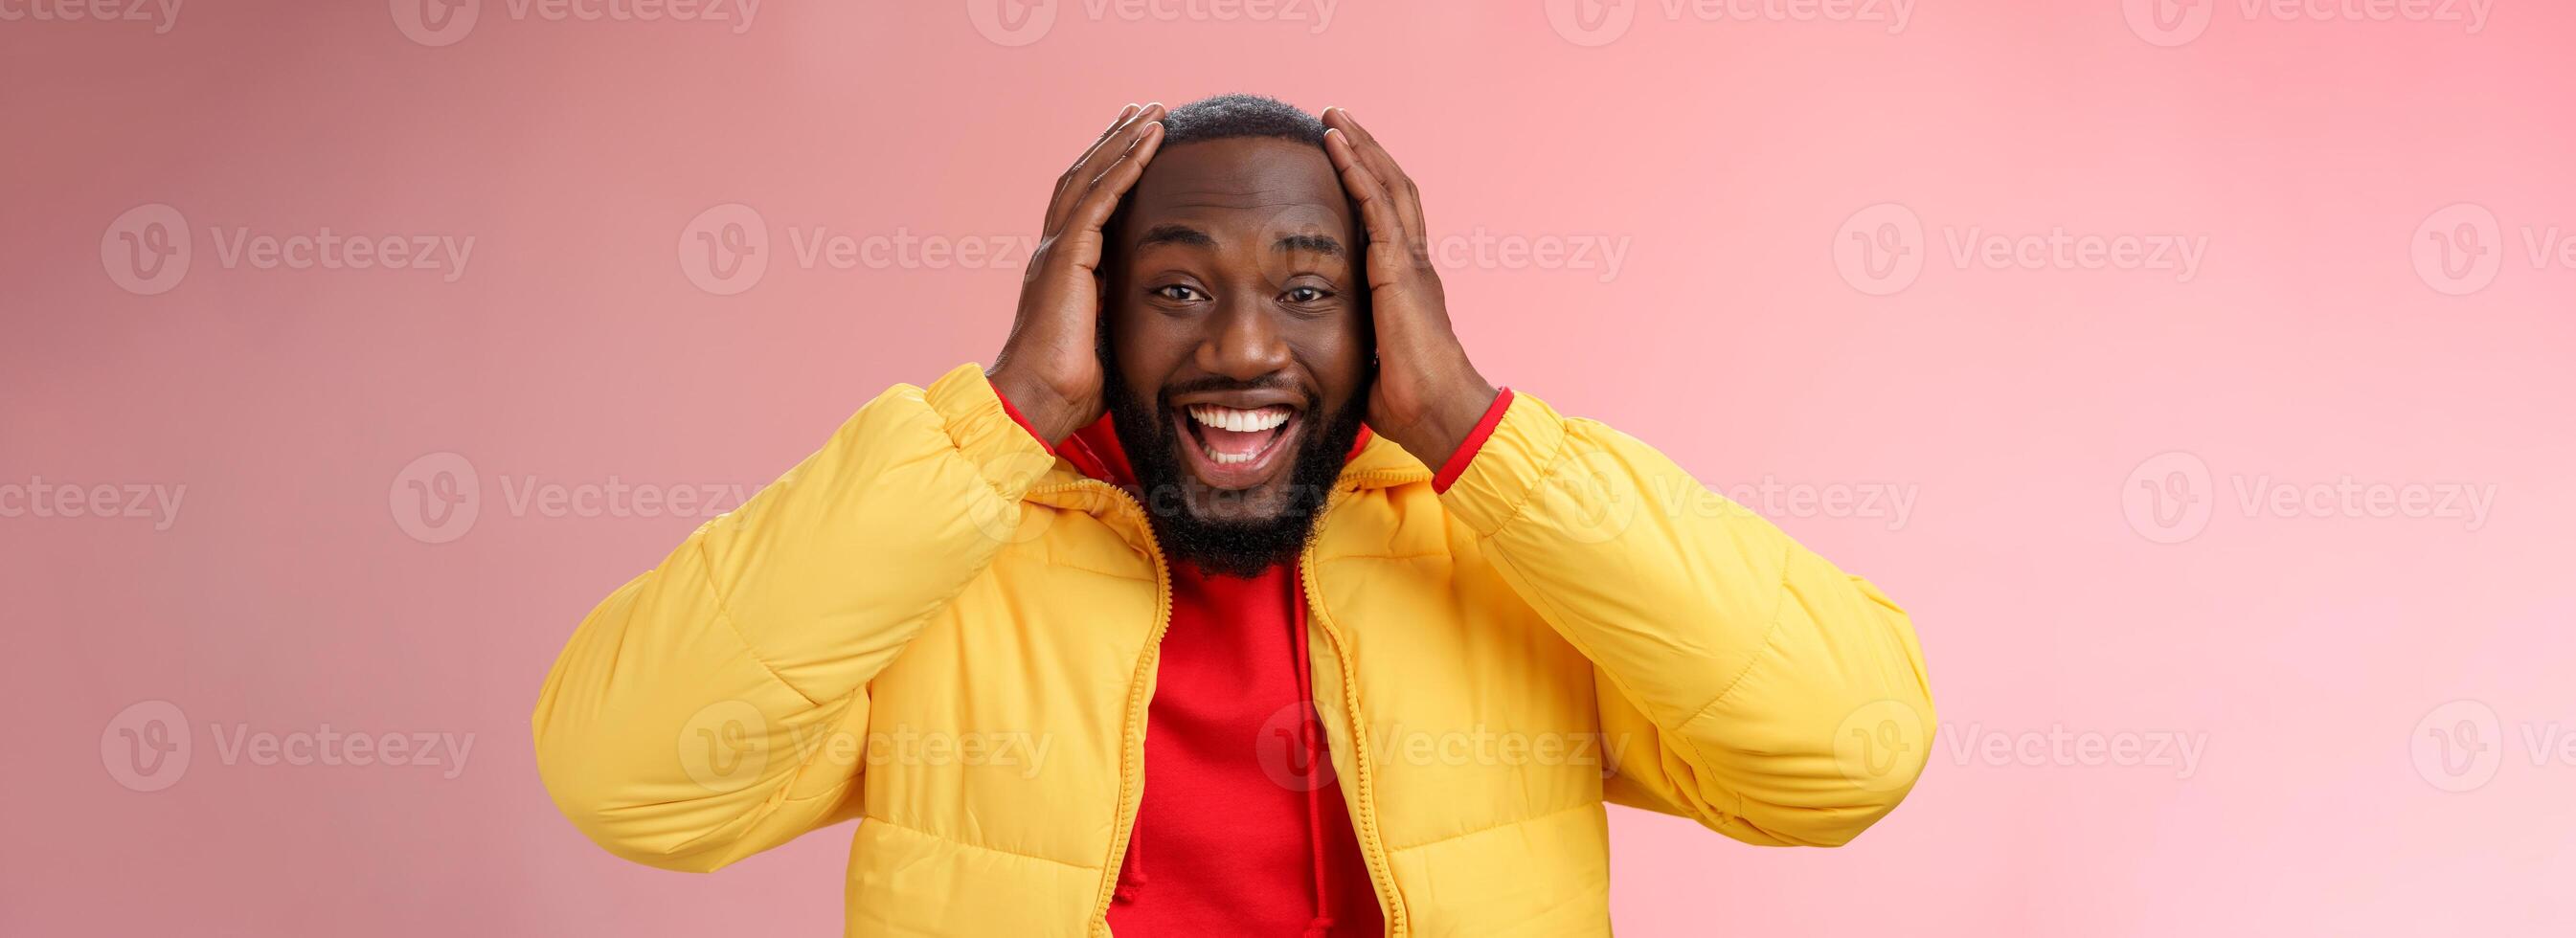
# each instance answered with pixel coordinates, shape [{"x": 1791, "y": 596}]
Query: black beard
[{"x": 1231, "y": 548}]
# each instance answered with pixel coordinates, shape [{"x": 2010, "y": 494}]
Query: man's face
[{"x": 1238, "y": 344}]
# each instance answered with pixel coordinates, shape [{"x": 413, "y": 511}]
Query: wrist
[
  {"x": 1450, "y": 421},
  {"x": 1047, "y": 413}
]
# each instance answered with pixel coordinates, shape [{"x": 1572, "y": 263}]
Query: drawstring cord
[
  {"x": 1322, "y": 925},
  {"x": 1131, "y": 871}
]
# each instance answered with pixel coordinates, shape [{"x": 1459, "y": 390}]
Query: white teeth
[
  {"x": 1239, "y": 420},
  {"x": 1229, "y": 459}
]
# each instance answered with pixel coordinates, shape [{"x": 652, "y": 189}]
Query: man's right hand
[{"x": 1050, "y": 367}]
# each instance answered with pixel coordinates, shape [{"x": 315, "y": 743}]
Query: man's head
[{"x": 1235, "y": 331}]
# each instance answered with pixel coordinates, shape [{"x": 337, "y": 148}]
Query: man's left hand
[{"x": 1428, "y": 397}]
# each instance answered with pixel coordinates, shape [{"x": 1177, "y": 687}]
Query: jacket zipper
[
  {"x": 1131, "y": 749},
  {"x": 1372, "y": 847}
]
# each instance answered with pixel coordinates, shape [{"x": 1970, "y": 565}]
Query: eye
[
  {"x": 1177, "y": 292},
  {"x": 1307, "y": 295}
]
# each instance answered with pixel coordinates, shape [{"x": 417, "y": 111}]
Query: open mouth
[{"x": 1236, "y": 448}]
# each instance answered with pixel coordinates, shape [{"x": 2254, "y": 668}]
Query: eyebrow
[
  {"x": 1171, "y": 233},
  {"x": 1175, "y": 234},
  {"x": 1316, "y": 243}
]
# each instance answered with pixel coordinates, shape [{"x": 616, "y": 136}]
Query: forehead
[{"x": 1244, "y": 184}]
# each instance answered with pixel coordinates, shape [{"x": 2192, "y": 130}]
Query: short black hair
[{"x": 1228, "y": 116}]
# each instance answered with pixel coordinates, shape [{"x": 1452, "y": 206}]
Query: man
[{"x": 1167, "y": 624}]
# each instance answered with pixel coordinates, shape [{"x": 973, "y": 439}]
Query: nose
[{"x": 1242, "y": 343}]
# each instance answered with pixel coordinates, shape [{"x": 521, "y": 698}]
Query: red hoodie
[{"x": 1242, "y": 829}]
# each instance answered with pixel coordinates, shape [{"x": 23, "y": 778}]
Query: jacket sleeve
[
  {"x": 1743, "y": 681},
  {"x": 716, "y": 706}
]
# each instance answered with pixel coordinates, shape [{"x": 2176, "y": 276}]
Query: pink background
[{"x": 300, "y": 583}]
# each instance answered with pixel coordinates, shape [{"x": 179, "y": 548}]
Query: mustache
[{"x": 1268, "y": 382}]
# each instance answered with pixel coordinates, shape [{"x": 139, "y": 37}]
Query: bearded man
[{"x": 1232, "y": 599}]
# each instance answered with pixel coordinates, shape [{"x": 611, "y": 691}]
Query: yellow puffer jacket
[{"x": 935, "y": 626}]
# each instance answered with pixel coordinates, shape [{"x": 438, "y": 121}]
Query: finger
[
  {"x": 1408, "y": 197},
  {"x": 1105, "y": 132},
  {"x": 1121, "y": 134},
  {"x": 1377, "y": 205},
  {"x": 1095, "y": 206},
  {"x": 1069, "y": 185}
]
